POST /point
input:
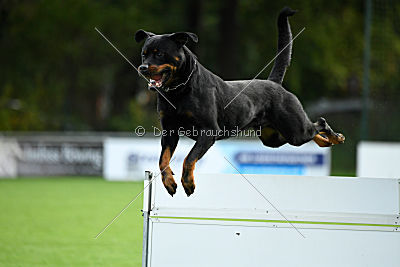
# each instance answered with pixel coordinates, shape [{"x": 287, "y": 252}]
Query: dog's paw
[
  {"x": 170, "y": 185},
  {"x": 337, "y": 138},
  {"x": 188, "y": 185}
]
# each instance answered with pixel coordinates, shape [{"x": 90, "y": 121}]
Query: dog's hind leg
[
  {"x": 271, "y": 137},
  {"x": 294, "y": 125},
  {"x": 292, "y": 122},
  {"x": 326, "y": 136},
  {"x": 302, "y": 130}
]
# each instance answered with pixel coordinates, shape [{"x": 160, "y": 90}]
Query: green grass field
[{"x": 53, "y": 222}]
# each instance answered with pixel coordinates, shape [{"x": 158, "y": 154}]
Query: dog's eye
[{"x": 160, "y": 54}]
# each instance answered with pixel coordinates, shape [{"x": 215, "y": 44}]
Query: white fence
[
  {"x": 226, "y": 222},
  {"x": 378, "y": 159}
]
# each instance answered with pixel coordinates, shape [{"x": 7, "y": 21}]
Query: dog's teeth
[{"x": 152, "y": 82}]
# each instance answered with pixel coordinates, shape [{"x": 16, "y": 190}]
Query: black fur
[
  {"x": 200, "y": 103},
  {"x": 285, "y": 37}
]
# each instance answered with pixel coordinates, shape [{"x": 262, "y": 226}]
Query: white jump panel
[
  {"x": 345, "y": 221},
  {"x": 204, "y": 245}
]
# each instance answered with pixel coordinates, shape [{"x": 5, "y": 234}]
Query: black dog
[{"x": 203, "y": 103}]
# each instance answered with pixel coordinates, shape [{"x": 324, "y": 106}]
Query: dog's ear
[
  {"x": 140, "y": 35},
  {"x": 181, "y": 38}
]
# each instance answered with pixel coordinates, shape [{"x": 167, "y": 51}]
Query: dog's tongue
[
  {"x": 155, "y": 81},
  {"x": 156, "y": 77}
]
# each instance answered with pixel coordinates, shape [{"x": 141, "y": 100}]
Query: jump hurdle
[{"x": 345, "y": 222}]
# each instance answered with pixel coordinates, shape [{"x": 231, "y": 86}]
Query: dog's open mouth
[{"x": 158, "y": 80}]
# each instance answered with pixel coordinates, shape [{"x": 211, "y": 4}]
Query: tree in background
[{"x": 57, "y": 73}]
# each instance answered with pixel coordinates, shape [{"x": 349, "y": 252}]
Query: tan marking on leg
[
  {"x": 187, "y": 177},
  {"x": 167, "y": 177},
  {"x": 165, "y": 158},
  {"x": 322, "y": 141},
  {"x": 336, "y": 138}
]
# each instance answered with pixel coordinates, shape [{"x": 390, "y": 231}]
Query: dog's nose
[{"x": 143, "y": 68}]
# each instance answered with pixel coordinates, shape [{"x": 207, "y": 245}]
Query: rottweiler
[{"x": 193, "y": 99}]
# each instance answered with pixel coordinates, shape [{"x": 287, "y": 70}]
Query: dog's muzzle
[{"x": 158, "y": 76}]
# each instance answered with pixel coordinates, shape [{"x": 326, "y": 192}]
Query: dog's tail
[{"x": 284, "y": 38}]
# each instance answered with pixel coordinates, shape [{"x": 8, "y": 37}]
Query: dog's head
[{"x": 163, "y": 56}]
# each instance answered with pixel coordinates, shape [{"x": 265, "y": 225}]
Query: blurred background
[
  {"x": 64, "y": 90},
  {"x": 58, "y": 75}
]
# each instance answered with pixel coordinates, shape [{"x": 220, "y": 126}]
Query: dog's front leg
[
  {"x": 201, "y": 146},
  {"x": 168, "y": 144}
]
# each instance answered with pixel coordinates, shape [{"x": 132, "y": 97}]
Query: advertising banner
[
  {"x": 128, "y": 158},
  {"x": 60, "y": 157}
]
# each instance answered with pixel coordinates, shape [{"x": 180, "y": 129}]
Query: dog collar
[{"x": 175, "y": 87}]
